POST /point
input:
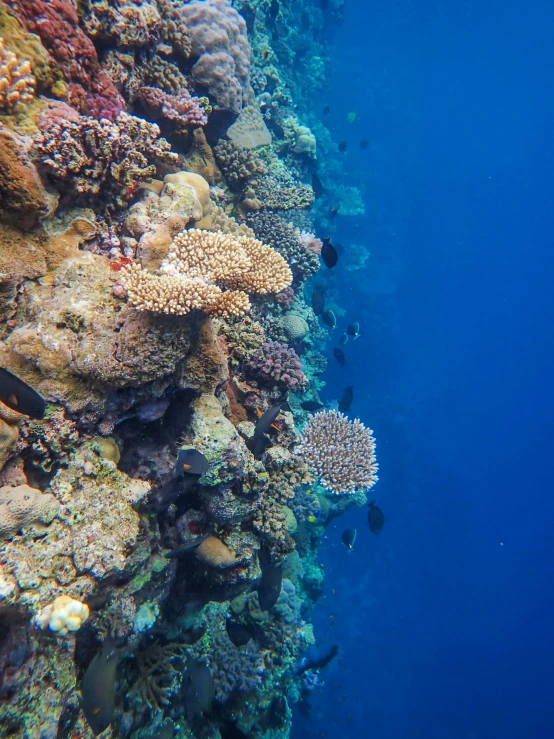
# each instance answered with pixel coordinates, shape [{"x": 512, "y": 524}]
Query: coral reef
[
  {"x": 17, "y": 84},
  {"x": 278, "y": 364},
  {"x": 340, "y": 452}
]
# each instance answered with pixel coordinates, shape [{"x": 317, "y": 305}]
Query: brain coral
[
  {"x": 295, "y": 326},
  {"x": 341, "y": 452},
  {"x": 219, "y": 41},
  {"x": 24, "y": 506}
]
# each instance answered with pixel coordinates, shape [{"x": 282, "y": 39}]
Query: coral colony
[{"x": 160, "y": 243}]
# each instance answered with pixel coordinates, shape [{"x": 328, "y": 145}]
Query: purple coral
[
  {"x": 182, "y": 108},
  {"x": 234, "y": 668},
  {"x": 277, "y": 363},
  {"x": 219, "y": 42}
]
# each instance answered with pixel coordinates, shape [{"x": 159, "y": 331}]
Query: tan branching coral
[
  {"x": 17, "y": 84},
  {"x": 199, "y": 265},
  {"x": 287, "y": 472},
  {"x": 340, "y": 452}
]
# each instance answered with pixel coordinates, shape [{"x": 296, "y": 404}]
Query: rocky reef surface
[{"x": 157, "y": 261}]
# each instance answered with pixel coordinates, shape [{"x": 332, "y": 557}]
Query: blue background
[{"x": 445, "y": 621}]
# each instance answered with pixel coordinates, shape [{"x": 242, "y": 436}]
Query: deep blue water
[{"x": 445, "y": 621}]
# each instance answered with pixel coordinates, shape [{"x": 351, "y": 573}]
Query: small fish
[
  {"x": 344, "y": 339},
  {"x": 329, "y": 318},
  {"x": 319, "y": 660},
  {"x": 364, "y": 143},
  {"x": 311, "y": 405},
  {"x": 348, "y": 538},
  {"x": 326, "y": 110},
  {"x": 198, "y": 690},
  {"x": 318, "y": 300},
  {"x": 375, "y": 518},
  {"x": 265, "y": 53},
  {"x": 190, "y": 462},
  {"x": 346, "y": 401},
  {"x": 334, "y": 210},
  {"x": 19, "y": 396},
  {"x": 353, "y": 329},
  {"x": 351, "y": 117},
  {"x": 229, "y": 730},
  {"x": 269, "y": 588},
  {"x": 342, "y": 147},
  {"x": 339, "y": 356},
  {"x": 317, "y": 186},
  {"x": 186, "y": 548},
  {"x": 98, "y": 688},
  {"x": 329, "y": 254},
  {"x": 237, "y": 633}
]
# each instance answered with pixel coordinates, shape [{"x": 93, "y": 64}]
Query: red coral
[{"x": 181, "y": 108}]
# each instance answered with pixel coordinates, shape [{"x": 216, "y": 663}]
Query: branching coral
[
  {"x": 198, "y": 263},
  {"x": 282, "y": 236},
  {"x": 277, "y": 363},
  {"x": 234, "y": 668},
  {"x": 287, "y": 472},
  {"x": 86, "y": 157},
  {"x": 270, "y": 522},
  {"x": 181, "y": 108},
  {"x": 238, "y": 165},
  {"x": 340, "y": 452},
  {"x": 282, "y": 192},
  {"x": 160, "y": 673},
  {"x": 17, "y": 84}
]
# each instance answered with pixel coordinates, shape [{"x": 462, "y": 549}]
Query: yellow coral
[
  {"x": 199, "y": 265},
  {"x": 63, "y": 615},
  {"x": 17, "y": 84}
]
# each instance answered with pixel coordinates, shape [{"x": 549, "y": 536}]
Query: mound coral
[
  {"x": 197, "y": 264},
  {"x": 249, "y": 130},
  {"x": 219, "y": 42},
  {"x": 17, "y": 84},
  {"x": 277, "y": 363},
  {"x": 63, "y": 615},
  {"x": 340, "y": 452},
  {"x": 24, "y": 506},
  {"x": 295, "y": 326}
]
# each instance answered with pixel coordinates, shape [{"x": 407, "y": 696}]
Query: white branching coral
[
  {"x": 340, "y": 452},
  {"x": 210, "y": 272}
]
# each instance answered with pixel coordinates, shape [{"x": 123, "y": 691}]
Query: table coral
[{"x": 197, "y": 263}]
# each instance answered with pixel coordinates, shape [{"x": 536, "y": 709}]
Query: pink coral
[
  {"x": 278, "y": 364},
  {"x": 310, "y": 241},
  {"x": 182, "y": 108},
  {"x": 285, "y": 298},
  {"x": 219, "y": 42}
]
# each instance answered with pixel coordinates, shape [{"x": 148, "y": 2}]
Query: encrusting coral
[
  {"x": 22, "y": 507},
  {"x": 340, "y": 452},
  {"x": 197, "y": 263}
]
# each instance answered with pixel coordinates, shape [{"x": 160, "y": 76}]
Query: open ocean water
[{"x": 444, "y": 621}]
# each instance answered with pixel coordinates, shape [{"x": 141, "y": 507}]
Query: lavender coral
[
  {"x": 219, "y": 42},
  {"x": 340, "y": 452},
  {"x": 277, "y": 363}
]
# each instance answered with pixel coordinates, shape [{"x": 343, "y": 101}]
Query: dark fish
[
  {"x": 19, "y": 396},
  {"x": 349, "y": 537},
  {"x": 346, "y": 401},
  {"x": 364, "y": 143},
  {"x": 329, "y": 254},
  {"x": 329, "y": 319},
  {"x": 343, "y": 146},
  {"x": 375, "y": 518},
  {"x": 198, "y": 690},
  {"x": 269, "y": 588},
  {"x": 98, "y": 688},
  {"x": 311, "y": 405},
  {"x": 353, "y": 329},
  {"x": 344, "y": 339},
  {"x": 318, "y": 300},
  {"x": 237, "y": 633},
  {"x": 339, "y": 356},
  {"x": 229, "y": 730},
  {"x": 319, "y": 661},
  {"x": 317, "y": 186},
  {"x": 334, "y": 210},
  {"x": 326, "y": 110},
  {"x": 263, "y": 425},
  {"x": 186, "y": 548},
  {"x": 190, "y": 462}
]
